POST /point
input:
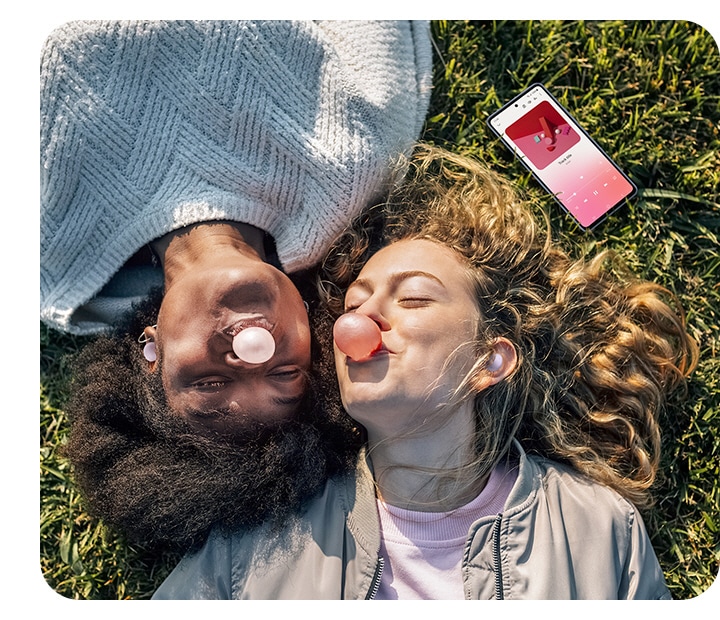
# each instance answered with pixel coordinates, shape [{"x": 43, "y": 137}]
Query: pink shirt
[{"x": 423, "y": 550}]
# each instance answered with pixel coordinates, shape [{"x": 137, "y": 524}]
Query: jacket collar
[
  {"x": 527, "y": 484},
  {"x": 358, "y": 496},
  {"x": 360, "y": 505}
]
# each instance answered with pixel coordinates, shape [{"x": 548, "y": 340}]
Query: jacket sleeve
[
  {"x": 642, "y": 576},
  {"x": 205, "y": 574}
]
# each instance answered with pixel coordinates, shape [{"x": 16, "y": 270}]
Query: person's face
[
  {"x": 419, "y": 293},
  {"x": 203, "y": 378}
]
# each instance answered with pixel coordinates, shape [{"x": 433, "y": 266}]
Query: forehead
[{"x": 421, "y": 254}]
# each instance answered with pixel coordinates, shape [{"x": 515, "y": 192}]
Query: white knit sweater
[{"x": 150, "y": 126}]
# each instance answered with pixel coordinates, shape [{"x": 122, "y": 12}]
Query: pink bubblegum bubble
[
  {"x": 254, "y": 345},
  {"x": 357, "y": 335}
]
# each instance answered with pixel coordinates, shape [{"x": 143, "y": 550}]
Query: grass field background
[{"x": 649, "y": 93}]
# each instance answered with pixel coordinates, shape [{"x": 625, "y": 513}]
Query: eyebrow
[{"x": 398, "y": 277}]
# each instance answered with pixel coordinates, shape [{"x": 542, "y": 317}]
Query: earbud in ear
[
  {"x": 150, "y": 351},
  {"x": 149, "y": 347},
  {"x": 502, "y": 361},
  {"x": 495, "y": 363}
]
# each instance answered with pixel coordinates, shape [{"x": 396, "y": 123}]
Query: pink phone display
[
  {"x": 569, "y": 164},
  {"x": 542, "y": 135}
]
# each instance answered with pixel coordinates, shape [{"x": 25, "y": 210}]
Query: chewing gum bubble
[
  {"x": 254, "y": 345},
  {"x": 357, "y": 336}
]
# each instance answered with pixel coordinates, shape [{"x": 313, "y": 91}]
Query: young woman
[
  {"x": 212, "y": 160},
  {"x": 509, "y": 400}
]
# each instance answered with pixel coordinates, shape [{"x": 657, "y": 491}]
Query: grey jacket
[{"x": 560, "y": 536}]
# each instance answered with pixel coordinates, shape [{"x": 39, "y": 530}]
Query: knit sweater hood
[{"x": 146, "y": 127}]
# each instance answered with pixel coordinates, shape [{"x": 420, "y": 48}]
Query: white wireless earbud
[
  {"x": 150, "y": 351},
  {"x": 149, "y": 347},
  {"x": 495, "y": 363}
]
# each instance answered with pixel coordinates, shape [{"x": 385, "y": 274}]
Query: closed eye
[
  {"x": 286, "y": 374},
  {"x": 351, "y": 305},
  {"x": 415, "y": 302}
]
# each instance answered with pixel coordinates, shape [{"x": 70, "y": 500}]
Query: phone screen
[{"x": 561, "y": 155}]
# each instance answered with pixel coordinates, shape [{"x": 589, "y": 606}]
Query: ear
[
  {"x": 503, "y": 360},
  {"x": 150, "y": 338}
]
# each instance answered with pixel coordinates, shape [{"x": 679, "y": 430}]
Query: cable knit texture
[{"x": 150, "y": 126}]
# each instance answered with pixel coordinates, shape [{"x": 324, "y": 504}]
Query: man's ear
[
  {"x": 502, "y": 362},
  {"x": 149, "y": 338}
]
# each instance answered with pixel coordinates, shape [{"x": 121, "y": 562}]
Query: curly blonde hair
[{"x": 598, "y": 350}]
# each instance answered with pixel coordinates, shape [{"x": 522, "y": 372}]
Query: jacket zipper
[
  {"x": 375, "y": 583},
  {"x": 499, "y": 594}
]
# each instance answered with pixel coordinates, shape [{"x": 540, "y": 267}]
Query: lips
[{"x": 383, "y": 351}]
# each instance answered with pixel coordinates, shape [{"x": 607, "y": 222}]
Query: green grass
[{"x": 649, "y": 93}]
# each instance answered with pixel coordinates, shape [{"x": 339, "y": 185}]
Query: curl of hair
[
  {"x": 598, "y": 350},
  {"x": 147, "y": 474}
]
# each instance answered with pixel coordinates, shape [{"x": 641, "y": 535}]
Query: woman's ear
[{"x": 502, "y": 362}]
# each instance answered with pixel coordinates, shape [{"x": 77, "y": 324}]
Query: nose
[{"x": 372, "y": 309}]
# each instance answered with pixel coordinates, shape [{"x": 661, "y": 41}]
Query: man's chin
[{"x": 189, "y": 483}]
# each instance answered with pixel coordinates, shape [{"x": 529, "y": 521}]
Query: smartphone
[{"x": 566, "y": 161}]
